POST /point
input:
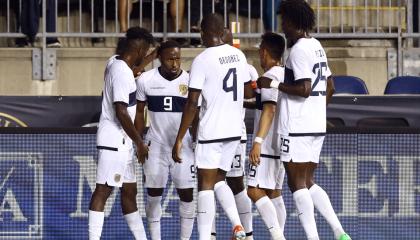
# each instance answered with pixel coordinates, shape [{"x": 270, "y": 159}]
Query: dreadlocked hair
[{"x": 299, "y": 13}]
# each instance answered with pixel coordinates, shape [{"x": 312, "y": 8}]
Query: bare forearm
[
  {"x": 330, "y": 89},
  {"x": 188, "y": 116},
  {"x": 266, "y": 120},
  {"x": 128, "y": 126},
  {"x": 139, "y": 123},
  {"x": 301, "y": 90}
]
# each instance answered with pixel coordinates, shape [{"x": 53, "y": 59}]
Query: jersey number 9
[
  {"x": 167, "y": 103},
  {"x": 233, "y": 88}
]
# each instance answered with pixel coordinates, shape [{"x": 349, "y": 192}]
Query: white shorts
[
  {"x": 268, "y": 175},
  {"x": 301, "y": 149},
  {"x": 237, "y": 169},
  {"x": 217, "y": 155},
  {"x": 159, "y": 164},
  {"x": 115, "y": 167}
]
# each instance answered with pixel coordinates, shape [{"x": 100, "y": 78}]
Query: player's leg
[
  {"x": 186, "y": 211},
  {"x": 156, "y": 171},
  {"x": 111, "y": 166},
  {"x": 154, "y": 211},
  {"x": 277, "y": 198},
  {"x": 262, "y": 179},
  {"x": 184, "y": 175},
  {"x": 96, "y": 210},
  {"x": 235, "y": 180},
  {"x": 296, "y": 176},
  {"x": 243, "y": 203},
  {"x": 206, "y": 207},
  {"x": 323, "y": 204},
  {"x": 130, "y": 211}
]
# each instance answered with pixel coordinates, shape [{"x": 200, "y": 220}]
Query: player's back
[
  {"x": 220, "y": 72},
  {"x": 119, "y": 86}
]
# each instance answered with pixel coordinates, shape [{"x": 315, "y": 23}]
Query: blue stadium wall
[{"x": 46, "y": 180}]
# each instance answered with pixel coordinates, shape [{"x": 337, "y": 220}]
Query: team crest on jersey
[
  {"x": 117, "y": 177},
  {"x": 183, "y": 89}
]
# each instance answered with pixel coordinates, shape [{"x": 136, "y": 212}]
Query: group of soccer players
[{"x": 197, "y": 130}]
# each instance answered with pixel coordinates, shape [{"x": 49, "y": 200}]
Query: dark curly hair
[
  {"x": 274, "y": 43},
  {"x": 299, "y": 13}
]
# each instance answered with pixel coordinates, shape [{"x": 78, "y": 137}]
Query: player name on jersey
[{"x": 229, "y": 59}]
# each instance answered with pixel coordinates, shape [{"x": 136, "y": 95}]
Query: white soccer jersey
[
  {"x": 263, "y": 95},
  {"x": 120, "y": 86},
  {"x": 220, "y": 72},
  {"x": 253, "y": 76},
  {"x": 165, "y": 101},
  {"x": 305, "y": 116}
]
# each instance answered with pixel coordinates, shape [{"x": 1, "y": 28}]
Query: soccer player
[
  {"x": 220, "y": 75},
  {"x": 235, "y": 176},
  {"x": 306, "y": 91},
  {"x": 266, "y": 171},
  {"x": 116, "y": 134},
  {"x": 164, "y": 89}
]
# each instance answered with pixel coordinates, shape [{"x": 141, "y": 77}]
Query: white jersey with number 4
[
  {"x": 301, "y": 116},
  {"x": 220, "y": 73},
  {"x": 165, "y": 101},
  {"x": 120, "y": 86}
]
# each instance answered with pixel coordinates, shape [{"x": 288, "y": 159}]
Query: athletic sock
[
  {"x": 153, "y": 214},
  {"x": 205, "y": 213},
  {"x": 268, "y": 214},
  {"x": 187, "y": 214},
  {"x": 135, "y": 223},
  {"x": 225, "y": 196},
  {"x": 280, "y": 210},
  {"x": 323, "y": 204},
  {"x": 244, "y": 206},
  {"x": 305, "y": 208},
  {"x": 96, "y": 221}
]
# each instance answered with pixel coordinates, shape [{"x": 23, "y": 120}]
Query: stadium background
[{"x": 47, "y": 169}]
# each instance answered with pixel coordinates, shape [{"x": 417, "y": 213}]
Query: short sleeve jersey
[
  {"x": 253, "y": 76},
  {"x": 266, "y": 95},
  {"x": 301, "y": 116},
  {"x": 119, "y": 86},
  {"x": 220, "y": 73},
  {"x": 165, "y": 101}
]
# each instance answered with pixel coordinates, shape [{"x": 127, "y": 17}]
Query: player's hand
[
  {"x": 263, "y": 82},
  {"x": 142, "y": 152},
  {"x": 254, "y": 154},
  {"x": 176, "y": 151}
]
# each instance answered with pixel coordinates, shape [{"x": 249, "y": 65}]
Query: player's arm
[
  {"x": 194, "y": 125},
  {"x": 248, "y": 90},
  {"x": 188, "y": 116},
  {"x": 250, "y": 104},
  {"x": 302, "y": 87},
  {"x": 125, "y": 121},
  {"x": 139, "y": 121},
  {"x": 267, "y": 115},
  {"x": 137, "y": 70},
  {"x": 330, "y": 88}
]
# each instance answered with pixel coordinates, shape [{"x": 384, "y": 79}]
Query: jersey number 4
[{"x": 233, "y": 88}]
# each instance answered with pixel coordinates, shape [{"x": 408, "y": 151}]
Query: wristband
[
  {"x": 259, "y": 140},
  {"x": 274, "y": 84}
]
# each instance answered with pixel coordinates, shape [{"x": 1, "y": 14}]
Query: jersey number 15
[{"x": 233, "y": 88}]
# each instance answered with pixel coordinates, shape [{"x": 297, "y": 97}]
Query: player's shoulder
[{"x": 275, "y": 73}]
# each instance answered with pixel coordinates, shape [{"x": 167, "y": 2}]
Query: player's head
[
  {"x": 227, "y": 36},
  {"x": 298, "y": 18},
  {"x": 271, "y": 48},
  {"x": 212, "y": 27},
  {"x": 169, "y": 54},
  {"x": 135, "y": 45}
]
